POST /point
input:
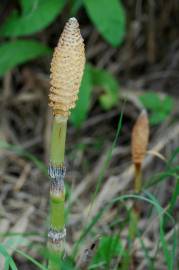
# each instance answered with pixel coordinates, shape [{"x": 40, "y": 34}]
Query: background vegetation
[{"x": 132, "y": 63}]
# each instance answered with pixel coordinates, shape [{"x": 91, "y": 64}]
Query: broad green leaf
[
  {"x": 157, "y": 117},
  {"x": 160, "y": 107},
  {"x": 109, "y": 18},
  {"x": 79, "y": 113},
  {"x": 155, "y": 102},
  {"x": 28, "y": 6},
  {"x": 17, "y": 52},
  {"x": 110, "y": 86},
  {"x": 76, "y": 5},
  {"x": 94, "y": 77},
  {"x": 36, "y": 15}
]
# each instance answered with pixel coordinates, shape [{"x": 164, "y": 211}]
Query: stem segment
[
  {"x": 134, "y": 214},
  {"x": 138, "y": 178},
  {"x": 57, "y": 230},
  {"x": 58, "y": 138}
]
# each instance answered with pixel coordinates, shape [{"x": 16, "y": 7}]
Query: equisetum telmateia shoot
[{"x": 66, "y": 74}]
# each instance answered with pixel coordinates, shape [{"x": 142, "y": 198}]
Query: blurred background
[{"x": 132, "y": 50}]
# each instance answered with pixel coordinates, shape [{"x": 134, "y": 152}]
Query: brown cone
[
  {"x": 67, "y": 70},
  {"x": 140, "y": 137}
]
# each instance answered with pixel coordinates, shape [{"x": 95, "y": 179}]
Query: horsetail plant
[
  {"x": 139, "y": 143},
  {"x": 140, "y": 137},
  {"x": 66, "y": 74}
]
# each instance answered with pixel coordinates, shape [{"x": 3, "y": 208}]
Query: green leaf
[
  {"x": 95, "y": 77},
  {"x": 104, "y": 79},
  {"x": 9, "y": 260},
  {"x": 160, "y": 107},
  {"x": 17, "y": 52},
  {"x": 35, "y": 16},
  {"x": 109, "y": 18},
  {"x": 157, "y": 117},
  {"x": 28, "y": 6},
  {"x": 109, "y": 247},
  {"x": 68, "y": 264},
  {"x": 79, "y": 113},
  {"x": 76, "y": 5},
  {"x": 31, "y": 259}
]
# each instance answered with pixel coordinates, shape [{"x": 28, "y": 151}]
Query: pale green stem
[
  {"x": 57, "y": 211},
  {"x": 57, "y": 198},
  {"x": 57, "y": 151}
]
